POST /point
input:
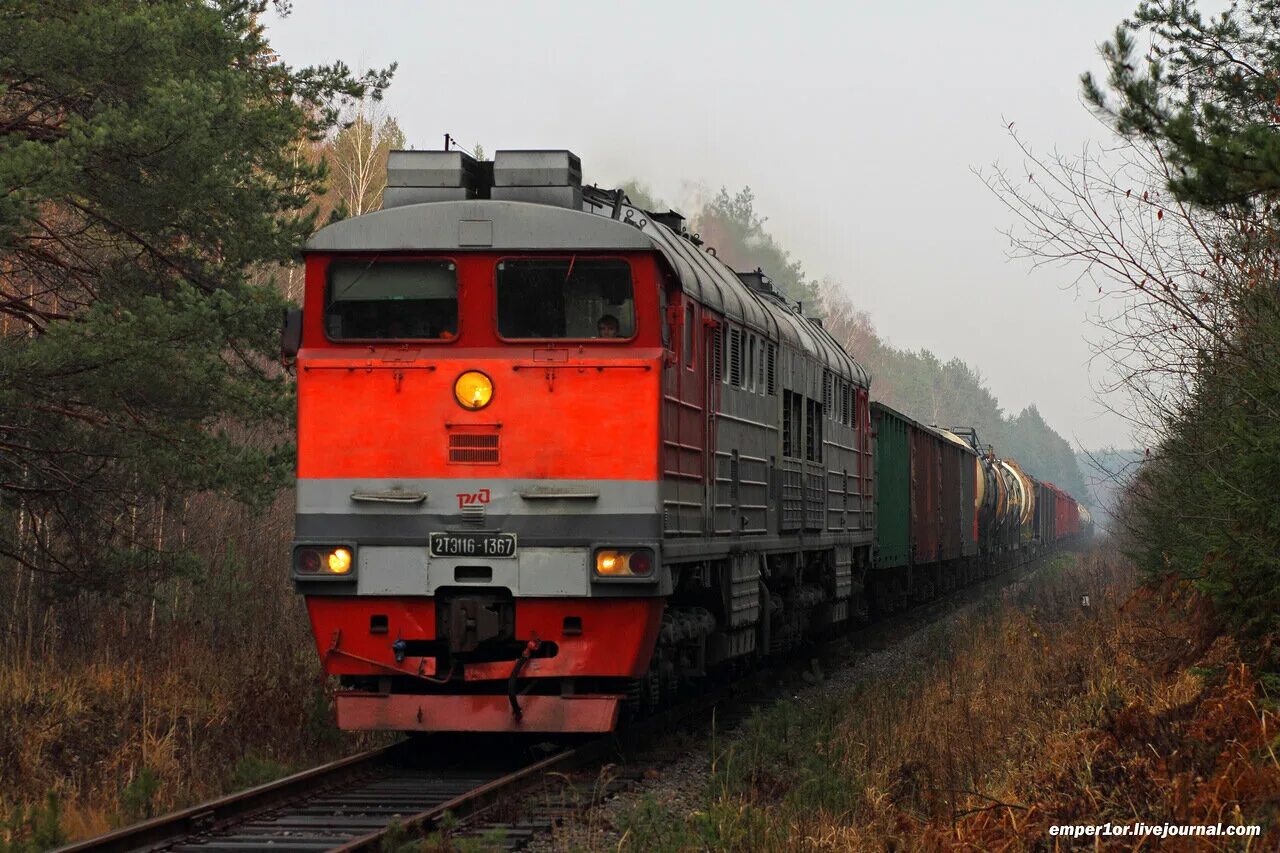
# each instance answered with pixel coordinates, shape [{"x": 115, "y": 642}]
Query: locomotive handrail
[
  {"x": 579, "y": 365},
  {"x": 391, "y": 497},
  {"x": 557, "y": 494},
  {"x": 366, "y": 365}
]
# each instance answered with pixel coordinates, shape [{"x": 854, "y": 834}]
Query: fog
[{"x": 858, "y": 126}]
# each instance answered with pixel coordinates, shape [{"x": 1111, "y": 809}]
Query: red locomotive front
[{"x": 478, "y": 527}]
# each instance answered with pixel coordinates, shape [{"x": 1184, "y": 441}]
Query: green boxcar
[{"x": 893, "y": 487}]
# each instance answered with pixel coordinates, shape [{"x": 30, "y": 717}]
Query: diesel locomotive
[{"x": 557, "y": 461}]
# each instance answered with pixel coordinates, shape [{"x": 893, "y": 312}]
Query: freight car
[
  {"x": 928, "y": 510},
  {"x": 556, "y": 460}
]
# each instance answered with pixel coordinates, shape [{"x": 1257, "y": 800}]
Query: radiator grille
[
  {"x": 717, "y": 355},
  {"x": 735, "y": 357},
  {"x": 473, "y": 449}
]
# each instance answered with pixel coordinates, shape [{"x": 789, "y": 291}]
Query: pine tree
[
  {"x": 148, "y": 172},
  {"x": 1206, "y": 97}
]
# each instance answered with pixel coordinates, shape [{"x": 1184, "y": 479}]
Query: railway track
[
  {"x": 404, "y": 791},
  {"x": 422, "y": 784},
  {"x": 347, "y": 805}
]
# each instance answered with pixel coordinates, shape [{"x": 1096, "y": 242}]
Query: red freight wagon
[
  {"x": 952, "y": 501},
  {"x": 1067, "y": 515},
  {"x": 926, "y": 494}
]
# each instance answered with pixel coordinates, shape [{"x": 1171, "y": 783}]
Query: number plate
[{"x": 473, "y": 544}]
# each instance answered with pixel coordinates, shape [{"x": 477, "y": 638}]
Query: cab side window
[
  {"x": 574, "y": 297},
  {"x": 391, "y": 300}
]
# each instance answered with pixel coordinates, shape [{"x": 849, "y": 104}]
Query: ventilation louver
[{"x": 473, "y": 449}]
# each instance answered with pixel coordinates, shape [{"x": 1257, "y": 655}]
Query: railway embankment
[{"x": 1027, "y": 709}]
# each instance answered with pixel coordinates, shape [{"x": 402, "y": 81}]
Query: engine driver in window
[{"x": 607, "y": 326}]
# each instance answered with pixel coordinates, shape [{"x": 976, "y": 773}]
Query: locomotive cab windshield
[
  {"x": 574, "y": 298},
  {"x": 381, "y": 300}
]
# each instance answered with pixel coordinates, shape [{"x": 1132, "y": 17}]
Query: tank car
[
  {"x": 555, "y": 459},
  {"x": 1085, "y": 521},
  {"x": 990, "y": 495}
]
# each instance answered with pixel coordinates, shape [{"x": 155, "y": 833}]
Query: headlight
[
  {"x": 323, "y": 561},
  {"x": 473, "y": 390},
  {"x": 339, "y": 561},
  {"x": 616, "y": 563}
]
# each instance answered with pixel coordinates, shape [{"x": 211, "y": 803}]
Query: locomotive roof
[
  {"x": 501, "y": 225},
  {"x": 440, "y": 226},
  {"x": 714, "y": 284}
]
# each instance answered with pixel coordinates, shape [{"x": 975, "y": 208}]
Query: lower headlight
[
  {"x": 339, "y": 561},
  {"x": 323, "y": 561},
  {"x": 618, "y": 563}
]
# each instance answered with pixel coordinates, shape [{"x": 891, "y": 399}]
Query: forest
[{"x": 1175, "y": 223}]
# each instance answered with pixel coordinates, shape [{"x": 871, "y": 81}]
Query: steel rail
[
  {"x": 166, "y": 830},
  {"x": 596, "y": 751},
  {"x": 274, "y": 808},
  {"x": 468, "y": 804}
]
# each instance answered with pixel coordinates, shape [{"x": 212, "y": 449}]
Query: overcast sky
[{"x": 856, "y": 124}]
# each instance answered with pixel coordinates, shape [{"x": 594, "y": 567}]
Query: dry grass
[
  {"x": 206, "y": 684},
  {"x": 1031, "y": 712},
  {"x": 121, "y": 740}
]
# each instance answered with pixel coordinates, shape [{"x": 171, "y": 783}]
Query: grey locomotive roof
[
  {"x": 711, "y": 282},
  {"x": 526, "y": 226},
  {"x": 440, "y": 226}
]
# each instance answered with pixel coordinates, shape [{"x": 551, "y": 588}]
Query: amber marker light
[
  {"x": 321, "y": 562},
  {"x": 610, "y": 563},
  {"x": 339, "y": 561},
  {"x": 473, "y": 390}
]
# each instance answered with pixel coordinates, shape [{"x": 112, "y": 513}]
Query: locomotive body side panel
[
  {"x": 747, "y": 425},
  {"x": 685, "y": 423}
]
